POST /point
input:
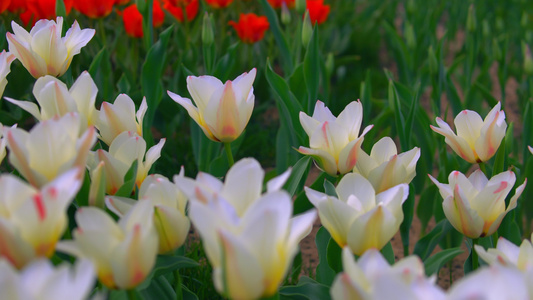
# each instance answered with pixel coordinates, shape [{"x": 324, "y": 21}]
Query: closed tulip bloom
[
  {"x": 359, "y": 217},
  {"x": 219, "y": 3},
  {"x": 32, "y": 220},
  {"x": 40, "y": 280},
  {"x": 43, "y": 51},
  {"x": 477, "y": 140},
  {"x": 475, "y": 205},
  {"x": 169, "y": 202},
  {"x": 492, "y": 283},
  {"x": 124, "y": 150},
  {"x": 49, "y": 149},
  {"x": 318, "y": 11},
  {"x": 123, "y": 253},
  {"x": 114, "y": 119},
  {"x": 384, "y": 167},
  {"x": 6, "y": 59},
  {"x": 372, "y": 278},
  {"x": 251, "y": 28},
  {"x": 95, "y": 8},
  {"x": 222, "y": 109},
  {"x": 334, "y": 143},
  {"x": 509, "y": 254},
  {"x": 56, "y": 100}
]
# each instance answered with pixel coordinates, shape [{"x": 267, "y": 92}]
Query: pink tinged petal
[
  {"x": 457, "y": 143},
  {"x": 31, "y": 61},
  {"x": 241, "y": 196},
  {"x": 324, "y": 161},
  {"x": 308, "y": 123},
  {"x": 348, "y": 154},
  {"x": 458, "y": 211},
  {"x": 372, "y": 230},
  {"x": 512, "y": 204},
  {"x": 28, "y": 106},
  {"x": 222, "y": 115},
  {"x": 468, "y": 125},
  {"x": 202, "y": 90},
  {"x": 12, "y": 247},
  {"x": 351, "y": 118},
  {"x": 491, "y": 135},
  {"x": 242, "y": 276},
  {"x": 48, "y": 45}
]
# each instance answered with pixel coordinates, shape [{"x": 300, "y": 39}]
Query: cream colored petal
[
  {"x": 172, "y": 227},
  {"x": 222, "y": 115},
  {"x": 490, "y": 202},
  {"x": 468, "y": 125},
  {"x": 242, "y": 196},
  {"x": 343, "y": 288},
  {"x": 119, "y": 205},
  {"x": 32, "y": 62},
  {"x": 458, "y": 144},
  {"x": 357, "y": 185},
  {"x": 491, "y": 134},
  {"x": 458, "y": 211},
  {"x": 322, "y": 114},
  {"x": 278, "y": 182},
  {"x": 351, "y": 118},
  {"x": 308, "y": 123},
  {"x": 206, "y": 221},
  {"x": 202, "y": 89},
  {"x": 383, "y": 150},
  {"x": 337, "y": 217},
  {"x": 324, "y": 161},
  {"x": 28, "y": 106}
]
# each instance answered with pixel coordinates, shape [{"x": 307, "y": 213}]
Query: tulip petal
[
  {"x": 28, "y": 106},
  {"x": 351, "y": 118},
  {"x": 457, "y": 143},
  {"x": 202, "y": 89},
  {"x": 240, "y": 196},
  {"x": 468, "y": 124},
  {"x": 458, "y": 211},
  {"x": 357, "y": 185},
  {"x": 372, "y": 230}
]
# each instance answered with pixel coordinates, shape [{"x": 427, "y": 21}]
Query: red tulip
[
  {"x": 278, "y": 3},
  {"x": 94, "y": 8},
  {"x": 176, "y": 8},
  {"x": 218, "y": 3},
  {"x": 133, "y": 19},
  {"x": 318, "y": 12},
  {"x": 251, "y": 27}
]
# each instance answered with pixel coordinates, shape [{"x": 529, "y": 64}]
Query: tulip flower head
[
  {"x": 251, "y": 28},
  {"x": 318, "y": 11},
  {"x": 475, "y": 205},
  {"x": 133, "y": 19},
  {"x": 56, "y": 100},
  {"x": 123, "y": 151},
  {"x": 219, "y": 3},
  {"x": 334, "y": 143},
  {"x": 114, "y": 119},
  {"x": 95, "y": 8},
  {"x": 250, "y": 238},
  {"x": 384, "y": 167},
  {"x": 124, "y": 252},
  {"x": 279, "y": 3},
  {"x": 509, "y": 254},
  {"x": 359, "y": 217},
  {"x": 169, "y": 202},
  {"x": 46, "y": 9},
  {"x": 222, "y": 109},
  {"x": 49, "y": 149},
  {"x": 32, "y": 220},
  {"x": 43, "y": 51},
  {"x": 191, "y": 9},
  {"x": 477, "y": 140},
  {"x": 40, "y": 280},
  {"x": 6, "y": 59},
  {"x": 371, "y": 277}
]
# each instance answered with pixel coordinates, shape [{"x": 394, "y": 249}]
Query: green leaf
[
  {"x": 329, "y": 188},
  {"x": 166, "y": 264},
  {"x": 61, "y": 11},
  {"x": 129, "y": 181},
  {"x": 83, "y": 194},
  {"x": 307, "y": 288},
  {"x": 408, "y": 209},
  {"x": 281, "y": 41},
  {"x": 302, "y": 204},
  {"x": 159, "y": 289},
  {"x": 433, "y": 263},
  {"x": 424, "y": 210},
  {"x": 426, "y": 244},
  {"x": 123, "y": 85},
  {"x": 334, "y": 254},
  {"x": 151, "y": 81},
  {"x": 324, "y": 273},
  {"x": 300, "y": 169},
  {"x": 312, "y": 70}
]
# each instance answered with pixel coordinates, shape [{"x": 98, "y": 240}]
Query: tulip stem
[
  {"x": 131, "y": 294},
  {"x": 475, "y": 260},
  {"x": 227, "y": 147},
  {"x": 179, "y": 292},
  {"x": 495, "y": 237},
  {"x": 483, "y": 168}
]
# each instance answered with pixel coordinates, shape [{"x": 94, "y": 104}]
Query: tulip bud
[
  {"x": 207, "y": 31},
  {"x": 409, "y": 33},
  {"x": 330, "y": 64},
  {"x": 285, "y": 14},
  {"x": 528, "y": 61},
  {"x": 307, "y": 29},
  {"x": 300, "y": 6},
  {"x": 432, "y": 61},
  {"x": 471, "y": 22}
]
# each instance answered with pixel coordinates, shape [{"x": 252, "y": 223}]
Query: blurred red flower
[
  {"x": 277, "y": 3},
  {"x": 94, "y": 8},
  {"x": 133, "y": 19},
  {"x": 122, "y": 2},
  {"x": 46, "y": 9},
  {"x": 218, "y": 3},
  {"x": 191, "y": 7},
  {"x": 17, "y": 6},
  {"x": 318, "y": 12},
  {"x": 250, "y": 28},
  {"x": 4, "y": 4}
]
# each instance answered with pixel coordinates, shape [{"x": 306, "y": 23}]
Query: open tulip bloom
[
  {"x": 359, "y": 217},
  {"x": 509, "y": 254},
  {"x": 222, "y": 109},
  {"x": 334, "y": 142},
  {"x": 372, "y": 278},
  {"x": 43, "y": 51},
  {"x": 475, "y": 205},
  {"x": 476, "y": 140}
]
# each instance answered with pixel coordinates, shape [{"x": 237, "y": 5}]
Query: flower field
[{"x": 187, "y": 149}]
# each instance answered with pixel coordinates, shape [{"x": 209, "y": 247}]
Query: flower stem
[
  {"x": 495, "y": 237},
  {"x": 131, "y": 294},
  {"x": 475, "y": 260},
  {"x": 483, "y": 168},
  {"x": 179, "y": 292},
  {"x": 227, "y": 147}
]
